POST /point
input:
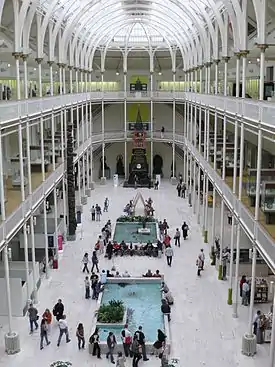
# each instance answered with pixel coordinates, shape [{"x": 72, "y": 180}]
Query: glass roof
[{"x": 131, "y": 23}]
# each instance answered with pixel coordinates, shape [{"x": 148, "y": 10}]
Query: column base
[
  {"x": 84, "y": 200},
  {"x": 173, "y": 181},
  {"x": 205, "y": 236},
  {"x": 79, "y": 208},
  {"x": 103, "y": 181},
  {"x": 12, "y": 343},
  {"x": 92, "y": 185},
  {"x": 220, "y": 273},
  {"x": 249, "y": 345},
  {"x": 235, "y": 311},
  {"x": 88, "y": 192},
  {"x": 229, "y": 298},
  {"x": 71, "y": 237}
]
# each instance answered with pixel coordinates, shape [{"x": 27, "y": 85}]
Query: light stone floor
[{"x": 202, "y": 328}]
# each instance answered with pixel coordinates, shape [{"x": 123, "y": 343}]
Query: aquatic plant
[
  {"x": 111, "y": 313},
  {"x": 135, "y": 218},
  {"x": 61, "y": 364}
]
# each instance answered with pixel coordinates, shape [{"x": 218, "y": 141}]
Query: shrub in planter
[
  {"x": 60, "y": 364},
  {"x": 111, "y": 313},
  {"x": 135, "y": 218}
]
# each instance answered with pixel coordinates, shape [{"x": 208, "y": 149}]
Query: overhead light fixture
[
  {"x": 34, "y": 69},
  {"x": 160, "y": 73},
  {"x": 249, "y": 61},
  {"x": 258, "y": 60},
  {"x": 117, "y": 73},
  {"x": 9, "y": 65}
]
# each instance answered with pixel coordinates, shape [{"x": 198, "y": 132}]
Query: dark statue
[{"x": 120, "y": 166}]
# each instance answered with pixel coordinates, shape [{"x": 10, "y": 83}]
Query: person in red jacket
[
  {"x": 167, "y": 240},
  {"x": 243, "y": 279}
]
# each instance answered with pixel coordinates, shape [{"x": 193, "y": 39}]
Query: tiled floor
[{"x": 202, "y": 328}]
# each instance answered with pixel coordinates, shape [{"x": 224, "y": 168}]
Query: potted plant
[{"x": 60, "y": 364}]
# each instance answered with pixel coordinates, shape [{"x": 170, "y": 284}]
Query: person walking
[
  {"x": 141, "y": 340},
  {"x": 185, "y": 230},
  {"x": 202, "y": 257},
  {"x": 183, "y": 190},
  {"x": 63, "y": 329},
  {"x": 126, "y": 340},
  {"x": 97, "y": 213},
  {"x": 177, "y": 238},
  {"x": 58, "y": 310},
  {"x": 94, "y": 262},
  {"x": 111, "y": 343},
  {"x": 162, "y": 132},
  {"x": 48, "y": 317},
  {"x": 169, "y": 253},
  {"x": 166, "y": 309},
  {"x": 136, "y": 351},
  {"x": 106, "y": 205},
  {"x": 80, "y": 336},
  {"x": 85, "y": 262},
  {"x": 44, "y": 333},
  {"x": 94, "y": 340},
  {"x": 245, "y": 293},
  {"x": 93, "y": 213},
  {"x": 199, "y": 266},
  {"x": 179, "y": 189},
  {"x": 33, "y": 317},
  {"x": 87, "y": 287}
]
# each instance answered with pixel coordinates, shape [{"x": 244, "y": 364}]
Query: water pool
[
  {"x": 127, "y": 231},
  {"x": 144, "y": 300}
]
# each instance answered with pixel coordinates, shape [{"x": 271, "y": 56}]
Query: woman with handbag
[
  {"x": 136, "y": 351},
  {"x": 44, "y": 333}
]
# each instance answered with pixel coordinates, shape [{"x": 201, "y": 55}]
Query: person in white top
[
  {"x": 245, "y": 293},
  {"x": 126, "y": 274},
  {"x": 169, "y": 298},
  {"x": 169, "y": 255},
  {"x": 103, "y": 277},
  {"x": 256, "y": 322},
  {"x": 63, "y": 329},
  {"x": 101, "y": 244},
  {"x": 202, "y": 258}
]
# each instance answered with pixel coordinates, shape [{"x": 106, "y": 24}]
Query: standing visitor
[
  {"x": 111, "y": 343},
  {"x": 58, "y": 310},
  {"x": 243, "y": 279},
  {"x": 85, "y": 262},
  {"x": 93, "y": 213},
  {"x": 245, "y": 293},
  {"x": 106, "y": 205},
  {"x": 126, "y": 340},
  {"x": 177, "y": 238},
  {"x": 167, "y": 240},
  {"x": 199, "y": 266},
  {"x": 120, "y": 362},
  {"x": 80, "y": 336},
  {"x": 166, "y": 309},
  {"x": 101, "y": 242},
  {"x": 159, "y": 344},
  {"x": 98, "y": 213},
  {"x": 179, "y": 189},
  {"x": 165, "y": 226},
  {"x": 135, "y": 351},
  {"x": 185, "y": 230},
  {"x": 87, "y": 287},
  {"x": 44, "y": 333},
  {"x": 33, "y": 317},
  {"x": 183, "y": 190},
  {"x": 63, "y": 329},
  {"x": 109, "y": 250},
  {"x": 94, "y": 262},
  {"x": 164, "y": 287},
  {"x": 161, "y": 229},
  {"x": 48, "y": 317},
  {"x": 162, "y": 132},
  {"x": 141, "y": 340},
  {"x": 94, "y": 340},
  {"x": 169, "y": 253},
  {"x": 202, "y": 257},
  {"x": 103, "y": 277},
  {"x": 156, "y": 184}
]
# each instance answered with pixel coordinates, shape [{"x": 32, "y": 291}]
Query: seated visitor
[
  {"x": 109, "y": 274},
  {"x": 157, "y": 274},
  {"x": 159, "y": 344},
  {"x": 164, "y": 287},
  {"x": 117, "y": 274},
  {"x": 126, "y": 274},
  {"x": 149, "y": 274},
  {"x": 103, "y": 277},
  {"x": 169, "y": 298},
  {"x": 165, "y": 309},
  {"x": 148, "y": 248}
]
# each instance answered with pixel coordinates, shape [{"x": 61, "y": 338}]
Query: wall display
[
  {"x": 268, "y": 201},
  {"x": 266, "y": 176}
]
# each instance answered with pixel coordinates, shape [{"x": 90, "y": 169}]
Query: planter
[{"x": 60, "y": 364}]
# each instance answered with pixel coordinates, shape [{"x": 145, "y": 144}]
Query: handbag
[{"x": 37, "y": 317}]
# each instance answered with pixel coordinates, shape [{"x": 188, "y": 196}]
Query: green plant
[
  {"x": 135, "y": 218},
  {"x": 61, "y": 364},
  {"x": 111, "y": 313}
]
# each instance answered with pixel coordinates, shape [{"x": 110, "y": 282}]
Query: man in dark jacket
[
  {"x": 111, "y": 343},
  {"x": 141, "y": 340},
  {"x": 166, "y": 309},
  {"x": 58, "y": 310},
  {"x": 33, "y": 316}
]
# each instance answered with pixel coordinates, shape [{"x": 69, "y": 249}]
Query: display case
[
  {"x": 36, "y": 161},
  {"x": 268, "y": 201},
  {"x": 266, "y": 176},
  {"x": 15, "y": 169},
  {"x": 261, "y": 290}
]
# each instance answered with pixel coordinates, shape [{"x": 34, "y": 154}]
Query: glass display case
[
  {"x": 268, "y": 201},
  {"x": 266, "y": 176}
]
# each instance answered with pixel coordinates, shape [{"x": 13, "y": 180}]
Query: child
[{"x": 120, "y": 360}]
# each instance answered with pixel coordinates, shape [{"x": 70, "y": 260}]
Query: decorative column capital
[
  {"x": 70, "y": 67},
  {"x": 61, "y": 65},
  {"x": 50, "y": 63},
  {"x": 17, "y": 55},
  {"x": 200, "y": 67},
  {"x": 238, "y": 54},
  {"x": 208, "y": 64},
  {"x": 262, "y": 46},
  {"x": 226, "y": 58},
  {"x": 244, "y": 53},
  {"x": 76, "y": 69},
  {"x": 24, "y": 57},
  {"x": 216, "y": 61},
  {"x": 174, "y": 72},
  {"x": 124, "y": 72},
  {"x": 39, "y": 60}
]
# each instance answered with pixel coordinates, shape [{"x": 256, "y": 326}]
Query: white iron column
[
  {"x": 39, "y": 61},
  {"x": 17, "y": 71},
  {"x": 28, "y": 144},
  {"x": 84, "y": 198},
  {"x": 54, "y": 191},
  {"x": 236, "y": 287},
  {"x": 125, "y": 124},
  {"x": 103, "y": 178},
  {"x": 64, "y": 79},
  {"x": 78, "y": 160},
  {"x": 26, "y": 88},
  {"x": 195, "y": 144},
  {"x": 22, "y": 182},
  {"x": 76, "y": 80},
  {"x": 262, "y": 71},
  {"x": 44, "y": 202},
  {"x": 50, "y": 63},
  {"x": 174, "y": 130},
  {"x": 63, "y": 129},
  {"x": 71, "y": 78},
  {"x": 151, "y": 123},
  {"x": 215, "y": 168},
  {"x": 91, "y": 147}
]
